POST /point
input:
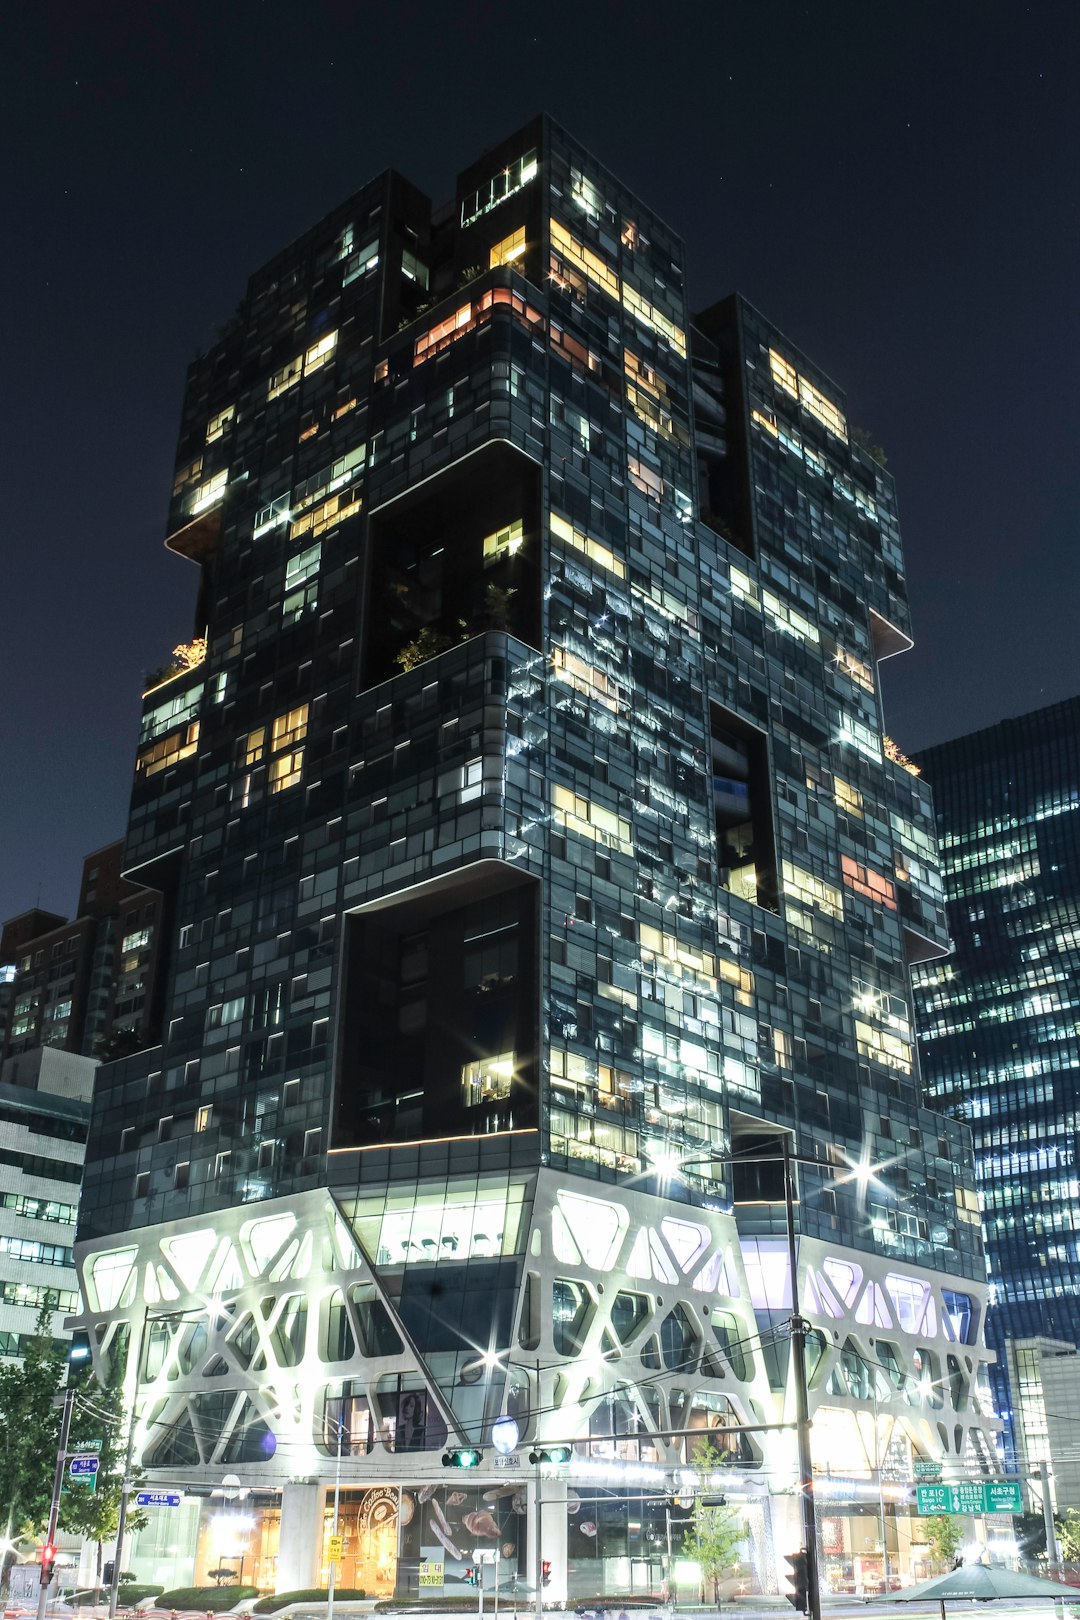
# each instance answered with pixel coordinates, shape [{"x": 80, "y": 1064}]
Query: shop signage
[
  {"x": 431, "y": 1572},
  {"x": 157, "y": 1499},
  {"x": 969, "y": 1498},
  {"x": 335, "y": 1548}
]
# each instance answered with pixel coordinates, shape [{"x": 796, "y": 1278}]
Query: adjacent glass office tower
[
  {"x": 533, "y": 848},
  {"x": 998, "y": 1026}
]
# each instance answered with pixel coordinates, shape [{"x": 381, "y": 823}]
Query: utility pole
[
  {"x": 54, "y": 1509},
  {"x": 125, "y": 1483},
  {"x": 802, "y": 1403},
  {"x": 1048, "y": 1514}
]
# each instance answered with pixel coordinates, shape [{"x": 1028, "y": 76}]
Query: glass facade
[
  {"x": 534, "y": 846},
  {"x": 997, "y": 1031}
]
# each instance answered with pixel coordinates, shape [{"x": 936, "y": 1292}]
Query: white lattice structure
[{"x": 624, "y": 1320}]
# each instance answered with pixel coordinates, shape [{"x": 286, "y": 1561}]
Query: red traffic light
[
  {"x": 48, "y": 1553},
  {"x": 545, "y": 1572}
]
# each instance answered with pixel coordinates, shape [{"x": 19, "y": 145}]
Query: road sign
[
  {"x": 80, "y": 1466},
  {"x": 336, "y": 1549},
  {"x": 1004, "y": 1498},
  {"x": 927, "y": 1470},
  {"x": 158, "y": 1499},
  {"x": 969, "y": 1497},
  {"x": 86, "y": 1445}
]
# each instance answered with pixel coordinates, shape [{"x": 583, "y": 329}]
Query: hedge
[
  {"x": 307, "y": 1594},
  {"x": 211, "y": 1599}
]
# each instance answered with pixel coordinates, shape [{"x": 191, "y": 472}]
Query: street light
[{"x": 862, "y": 1173}]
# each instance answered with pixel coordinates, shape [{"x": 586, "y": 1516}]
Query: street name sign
[
  {"x": 80, "y": 1466},
  {"x": 157, "y": 1499}
]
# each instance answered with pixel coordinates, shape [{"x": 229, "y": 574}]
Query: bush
[
  {"x": 308, "y": 1594},
  {"x": 211, "y": 1599},
  {"x": 131, "y": 1592}
]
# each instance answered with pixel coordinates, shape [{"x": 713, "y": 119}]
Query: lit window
[
  {"x": 320, "y": 352},
  {"x": 301, "y": 583},
  {"x": 509, "y": 179},
  {"x": 592, "y": 548},
  {"x": 505, "y": 542},
  {"x": 326, "y": 516},
  {"x": 217, "y": 424},
  {"x": 414, "y": 269},
  {"x": 590, "y": 820},
  {"x": 510, "y": 248},
  {"x": 654, "y": 319},
  {"x": 203, "y": 1117},
  {"x": 487, "y": 1080},
  {"x": 285, "y": 771},
  {"x": 290, "y": 728},
  {"x": 596, "y": 271},
  {"x": 204, "y": 495},
  {"x": 865, "y": 881},
  {"x": 136, "y": 941},
  {"x": 168, "y": 750},
  {"x": 847, "y": 797},
  {"x": 801, "y": 388},
  {"x": 253, "y": 745},
  {"x": 363, "y": 260},
  {"x": 285, "y": 378},
  {"x": 645, "y": 479}
]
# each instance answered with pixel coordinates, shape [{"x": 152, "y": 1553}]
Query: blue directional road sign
[
  {"x": 80, "y": 1466},
  {"x": 157, "y": 1499}
]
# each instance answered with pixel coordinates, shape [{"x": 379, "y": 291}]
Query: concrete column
[
  {"x": 300, "y": 1539},
  {"x": 552, "y": 1521}
]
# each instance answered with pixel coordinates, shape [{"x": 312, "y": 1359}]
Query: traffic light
[
  {"x": 80, "y": 1357},
  {"x": 466, "y": 1457},
  {"x": 545, "y": 1573},
  {"x": 48, "y": 1562},
  {"x": 798, "y": 1575},
  {"x": 107, "y": 1572},
  {"x": 552, "y": 1454}
]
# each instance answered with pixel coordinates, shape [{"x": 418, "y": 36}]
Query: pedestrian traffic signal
[
  {"x": 552, "y": 1454},
  {"x": 472, "y": 1577},
  {"x": 48, "y": 1562},
  {"x": 798, "y": 1575},
  {"x": 545, "y": 1573},
  {"x": 466, "y": 1457}
]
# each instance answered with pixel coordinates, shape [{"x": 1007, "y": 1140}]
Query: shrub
[
  {"x": 308, "y": 1594},
  {"x": 211, "y": 1599},
  {"x": 131, "y": 1592}
]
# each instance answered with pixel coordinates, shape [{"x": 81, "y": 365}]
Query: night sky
[{"x": 893, "y": 182}]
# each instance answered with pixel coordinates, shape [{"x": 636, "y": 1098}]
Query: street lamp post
[
  {"x": 799, "y": 1326},
  {"x": 331, "y": 1582}
]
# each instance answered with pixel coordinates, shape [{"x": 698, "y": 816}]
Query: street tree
[
  {"x": 945, "y": 1537},
  {"x": 715, "y": 1538},
  {"x": 1068, "y": 1533},
  {"x": 29, "y": 1437},
  {"x": 94, "y": 1511}
]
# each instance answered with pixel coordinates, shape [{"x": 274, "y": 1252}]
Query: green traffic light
[{"x": 463, "y": 1458}]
